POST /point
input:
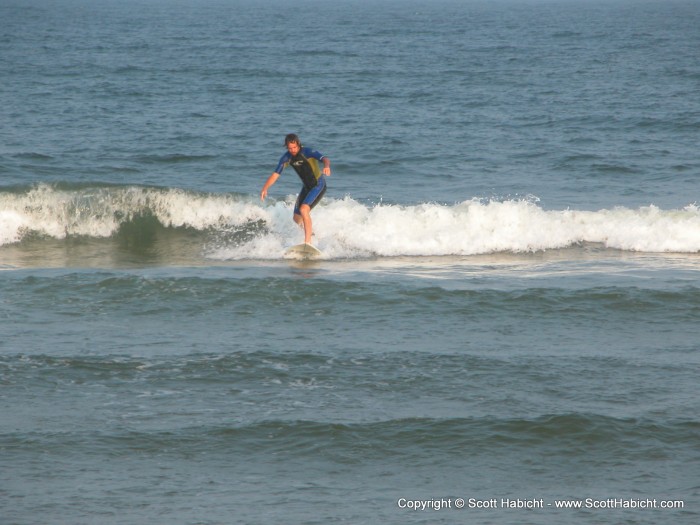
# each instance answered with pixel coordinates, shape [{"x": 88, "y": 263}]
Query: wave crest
[
  {"x": 344, "y": 227},
  {"x": 60, "y": 212}
]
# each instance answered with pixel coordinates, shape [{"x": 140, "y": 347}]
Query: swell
[
  {"x": 564, "y": 435},
  {"x": 251, "y": 294}
]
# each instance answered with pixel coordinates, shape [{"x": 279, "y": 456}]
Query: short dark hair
[{"x": 292, "y": 137}]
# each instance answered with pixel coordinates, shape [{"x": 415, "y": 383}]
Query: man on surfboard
[{"x": 305, "y": 162}]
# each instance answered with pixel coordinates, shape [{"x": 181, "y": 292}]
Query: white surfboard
[{"x": 303, "y": 251}]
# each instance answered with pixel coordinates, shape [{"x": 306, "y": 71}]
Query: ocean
[{"x": 503, "y": 327}]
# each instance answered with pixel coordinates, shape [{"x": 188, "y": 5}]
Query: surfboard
[{"x": 303, "y": 251}]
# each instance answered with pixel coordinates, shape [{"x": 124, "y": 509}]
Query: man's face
[{"x": 293, "y": 148}]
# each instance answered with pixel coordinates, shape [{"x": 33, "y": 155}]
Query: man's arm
[
  {"x": 275, "y": 175},
  {"x": 320, "y": 156},
  {"x": 270, "y": 181}
]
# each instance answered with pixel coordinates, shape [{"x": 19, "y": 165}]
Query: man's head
[{"x": 292, "y": 143}]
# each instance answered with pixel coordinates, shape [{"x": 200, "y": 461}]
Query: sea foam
[
  {"x": 347, "y": 228},
  {"x": 344, "y": 228}
]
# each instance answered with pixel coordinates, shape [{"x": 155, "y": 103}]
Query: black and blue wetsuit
[{"x": 307, "y": 165}]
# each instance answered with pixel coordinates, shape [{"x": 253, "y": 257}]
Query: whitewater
[{"x": 345, "y": 228}]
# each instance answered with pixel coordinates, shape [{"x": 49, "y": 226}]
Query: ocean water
[{"x": 504, "y": 325}]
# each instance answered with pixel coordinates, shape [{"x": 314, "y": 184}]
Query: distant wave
[
  {"x": 344, "y": 228},
  {"x": 559, "y": 434}
]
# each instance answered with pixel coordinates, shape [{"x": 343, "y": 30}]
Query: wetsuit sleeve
[
  {"x": 312, "y": 153},
  {"x": 284, "y": 161}
]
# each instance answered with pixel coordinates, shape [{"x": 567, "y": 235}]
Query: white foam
[
  {"x": 99, "y": 212},
  {"x": 345, "y": 228},
  {"x": 11, "y": 226}
]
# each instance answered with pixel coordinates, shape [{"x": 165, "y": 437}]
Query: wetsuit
[{"x": 307, "y": 165}]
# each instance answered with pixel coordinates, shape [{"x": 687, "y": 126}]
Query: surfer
[{"x": 305, "y": 162}]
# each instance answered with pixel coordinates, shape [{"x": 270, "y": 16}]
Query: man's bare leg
[{"x": 305, "y": 211}]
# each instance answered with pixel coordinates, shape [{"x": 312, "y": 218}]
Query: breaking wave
[{"x": 245, "y": 228}]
